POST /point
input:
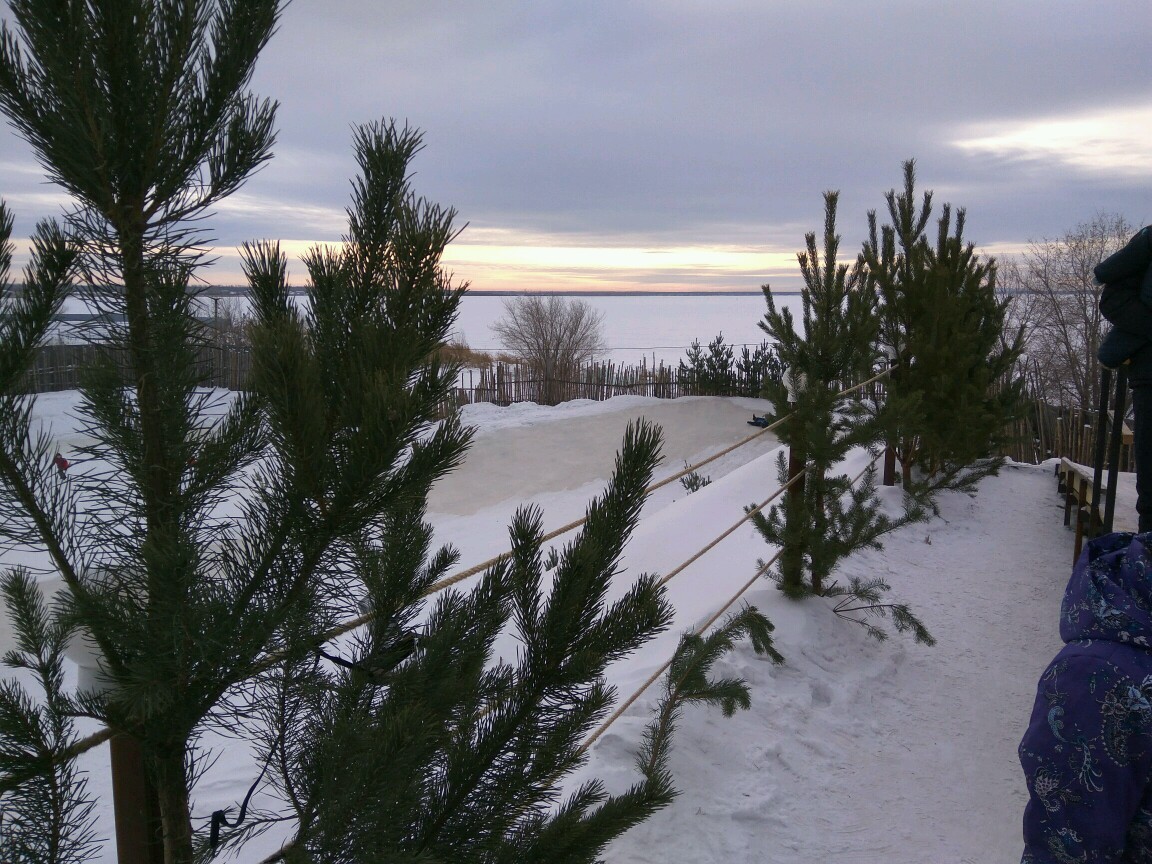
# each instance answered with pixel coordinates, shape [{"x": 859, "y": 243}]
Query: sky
[{"x": 686, "y": 144}]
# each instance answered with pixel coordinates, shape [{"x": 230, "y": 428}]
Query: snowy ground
[{"x": 853, "y": 751}]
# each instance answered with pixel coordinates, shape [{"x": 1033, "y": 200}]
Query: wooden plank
[
  {"x": 1071, "y": 473},
  {"x": 1126, "y": 436},
  {"x": 1083, "y": 513}
]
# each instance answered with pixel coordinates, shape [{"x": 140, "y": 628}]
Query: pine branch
[
  {"x": 869, "y": 596},
  {"x": 47, "y": 810}
]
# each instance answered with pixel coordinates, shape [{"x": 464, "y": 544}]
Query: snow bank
[{"x": 853, "y": 751}]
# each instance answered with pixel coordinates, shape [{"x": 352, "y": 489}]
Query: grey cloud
[{"x": 682, "y": 120}]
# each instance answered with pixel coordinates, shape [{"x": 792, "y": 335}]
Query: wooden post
[
  {"x": 1114, "y": 448},
  {"x": 889, "y": 465},
  {"x": 1081, "y": 495},
  {"x": 1069, "y": 495},
  {"x": 1100, "y": 447}
]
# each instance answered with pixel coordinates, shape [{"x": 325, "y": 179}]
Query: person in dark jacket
[
  {"x": 1087, "y": 753},
  {"x": 1126, "y": 302},
  {"x": 1127, "y": 279}
]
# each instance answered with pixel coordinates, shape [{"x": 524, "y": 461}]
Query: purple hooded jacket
[{"x": 1087, "y": 754}]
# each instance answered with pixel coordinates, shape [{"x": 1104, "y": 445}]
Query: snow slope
[{"x": 854, "y": 750}]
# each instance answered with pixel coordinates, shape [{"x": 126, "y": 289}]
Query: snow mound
[{"x": 853, "y": 750}]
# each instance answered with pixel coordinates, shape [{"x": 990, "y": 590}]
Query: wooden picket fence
[
  {"x": 1045, "y": 432},
  {"x": 506, "y": 383},
  {"x": 61, "y": 367},
  {"x": 1060, "y": 432}
]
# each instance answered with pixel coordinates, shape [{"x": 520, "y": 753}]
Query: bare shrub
[
  {"x": 553, "y": 336},
  {"x": 461, "y": 353},
  {"x": 1055, "y": 297},
  {"x": 231, "y": 318}
]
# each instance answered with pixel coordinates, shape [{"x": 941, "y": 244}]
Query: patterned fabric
[{"x": 1087, "y": 754}]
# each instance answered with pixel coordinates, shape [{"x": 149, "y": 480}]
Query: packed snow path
[
  {"x": 862, "y": 752},
  {"x": 854, "y": 751}
]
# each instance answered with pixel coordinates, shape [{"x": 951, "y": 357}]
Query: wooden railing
[{"x": 1090, "y": 487}]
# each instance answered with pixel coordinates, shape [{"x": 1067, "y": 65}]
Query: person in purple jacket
[{"x": 1087, "y": 754}]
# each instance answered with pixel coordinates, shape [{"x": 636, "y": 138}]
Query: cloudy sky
[{"x": 686, "y": 144}]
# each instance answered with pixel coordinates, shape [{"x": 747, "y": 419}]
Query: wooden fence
[
  {"x": 505, "y": 383},
  {"x": 1060, "y": 432},
  {"x": 1045, "y": 432},
  {"x": 61, "y": 367}
]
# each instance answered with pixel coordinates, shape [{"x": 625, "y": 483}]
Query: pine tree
[
  {"x": 50, "y": 820},
  {"x": 719, "y": 372},
  {"x": 450, "y": 756},
  {"x": 824, "y": 517},
  {"x": 834, "y": 347},
  {"x": 755, "y": 368},
  {"x": 952, "y": 394},
  {"x": 211, "y": 551},
  {"x": 138, "y": 111},
  {"x": 711, "y": 372}
]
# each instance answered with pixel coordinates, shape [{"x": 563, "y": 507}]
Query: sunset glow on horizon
[
  {"x": 566, "y": 268},
  {"x": 673, "y": 147},
  {"x": 559, "y": 267}
]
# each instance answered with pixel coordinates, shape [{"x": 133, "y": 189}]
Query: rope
[
  {"x": 699, "y": 631},
  {"x": 479, "y": 568},
  {"x": 449, "y": 581},
  {"x": 747, "y": 516},
  {"x": 95, "y": 740},
  {"x": 668, "y": 578},
  {"x": 631, "y": 700},
  {"x": 875, "y": 377}
]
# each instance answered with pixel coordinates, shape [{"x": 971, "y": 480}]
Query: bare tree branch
[
  {"x": 1057, "y": 300},
  {"x": 553, "y": 336}
]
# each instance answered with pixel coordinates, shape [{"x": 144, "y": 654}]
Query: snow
[{"x": 853, "y": 750}]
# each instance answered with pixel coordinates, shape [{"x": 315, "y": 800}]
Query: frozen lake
[
  {"x": 657, "y": 327},
  {"x": 642, "y": 326}
]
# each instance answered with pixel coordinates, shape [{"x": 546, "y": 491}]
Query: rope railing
[
  {"x": 699, "y": 631},
  {"x": 728, "y": 533},
  {"x": 713, "y": 544},
  {"x": 98, "y": 738},
  {"x": 484, "y": 565},
  {"x": 449, "y": 581}
]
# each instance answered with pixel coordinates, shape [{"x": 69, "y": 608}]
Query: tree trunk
[
  {"x": 171, "y": 783},
  {"x": 795, "y": 525},
  {"x": 139, "y": 833}
]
